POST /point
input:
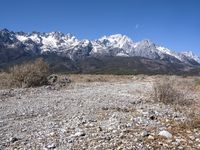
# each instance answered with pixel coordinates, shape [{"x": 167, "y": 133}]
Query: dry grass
[
  {"x": 26, "y": 75},
  {"x": 105, "y": 78},
  {"x": 182, "y": 95},
  {"x": 192, "y": 120},
  {"x": 197, "y": 83},
  {"x": 165, "y": 92},
  {"x": 5, "y": 80},
  {"x": 191, "y": 123}
]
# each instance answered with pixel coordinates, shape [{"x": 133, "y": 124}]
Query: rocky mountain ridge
[
  {"x": 68, "y": 45},
  {"x": 21, "y": 46}
]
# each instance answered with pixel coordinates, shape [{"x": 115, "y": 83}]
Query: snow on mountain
[
  {"x": 21, "y": 38},
  {"x": 121, "y": 43},
  {"x": 190, "y": 55},
  {"x": 117, "y": 40},
  {"x": 167, "y": 51},
  {"x": 113, "y": 45},
  {"x": 54, "y": 41}
]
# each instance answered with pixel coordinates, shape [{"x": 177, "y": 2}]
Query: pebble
[
  {"x": 165, "y": 134},
  {"x": 13, "y": 139},
  {"x": 99, "y": 129},
  {"x": 150, "y": 137},
  {"x": 79, "y": 134},
  {"x": 152, "y": 117},
  {"x": 192, "y": 137},
  {"x": 52, "y": 134},
  {"x": 178, "y": 140},
  {"x": 70, "y": 140},
  {"x": 145, "y": 134},
  {"x": 180, "y": 147},
  {"x": 51, "y": 146}
]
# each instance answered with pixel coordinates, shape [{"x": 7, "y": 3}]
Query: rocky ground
[{"x": 93, "y": 115}]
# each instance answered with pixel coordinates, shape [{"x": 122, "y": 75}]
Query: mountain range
[{"x": 108, "y": 54}]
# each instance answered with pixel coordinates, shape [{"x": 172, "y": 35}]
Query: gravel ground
[{"x": 93, "y": 116}]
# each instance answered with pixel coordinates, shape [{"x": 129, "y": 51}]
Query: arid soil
[{"x": 99, "y": 113}]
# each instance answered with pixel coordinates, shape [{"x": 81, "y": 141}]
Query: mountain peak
[
  {"x": 117, "y": 40},
  {"x": 4, "y": 30},
  {"x": 116, "y": 37},
  {"x": 189, "y": 53},
  {"x": 146, "y": 41}
]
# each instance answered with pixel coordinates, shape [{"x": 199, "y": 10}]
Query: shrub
[
  {"x": 166, "y": 92},
  {"x": 4, "y": 80},
  {"x": 194, "y": 122},
  {"x": 28, "y": 74},
  {"x": 197, "y": 83}
]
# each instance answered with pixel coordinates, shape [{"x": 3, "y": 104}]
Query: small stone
[
  {"x": 197, "y": 140},
  {"x": 167, "y": 120},
  {"x": 135, "y": 140},
  {"x": 63, "y": 130},
  {"x": 99, "y": 129},
  {"x": 24, "y": 130},
  {"x": 70, "y": 141},
  {"x": 79, "y": 134},
  {"x": 178, "y": 140},
  {"x": 107, "y": 138},
  {"x": 192, "y": 137},
  {"x": 169, "y": 141},
  {"x": 174, "y": 143},
  {"x": 180, "y": 147},
  {"x": 104, "y": 108},
  {"x": 110, "y": 128},
  {"x": 129, "y": 125},
  {"x": 165, "y": 134},
  {"x": 188, "y": 131},
  {"x": 114, "y": 131},
  {"x": 91, "y": 125},
  {"x": 51, "y": 146},
  {"x": 195, "y": 130},
  {"x": 52, "y": 134},
  {"x": 152, "y": 117},
  {"x": 121, "y": 135},
  {"x": 150, "y": 137},
  {"x": 145, "y": 134},
  {"x": 13, "y": 139}
]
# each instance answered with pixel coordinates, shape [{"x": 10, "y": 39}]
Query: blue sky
[{"x": 172, "y": 23}]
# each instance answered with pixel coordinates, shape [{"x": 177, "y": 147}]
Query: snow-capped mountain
[{"x": 67, "y": 45}]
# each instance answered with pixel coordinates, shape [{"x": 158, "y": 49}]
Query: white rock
[
  {"x": 51, "y": 146},
  {"x": 197, "y": 140},
  {"x": 144, "y": 134},
  {"x": 114, "y": 131},
  {"x": 150, "y": 137},
  {"x": 52, "y": 134},
  {"x": 180, "y": 147},
  {"x": 192, "y": 137},
  {"x": 165, "y": 134},
  {"x": 79, "y": 134}
]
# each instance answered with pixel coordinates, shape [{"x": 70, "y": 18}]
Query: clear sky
[{"x": 172, "y": 23}]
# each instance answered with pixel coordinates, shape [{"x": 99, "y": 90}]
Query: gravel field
[{"x": 93, "y": 115}]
